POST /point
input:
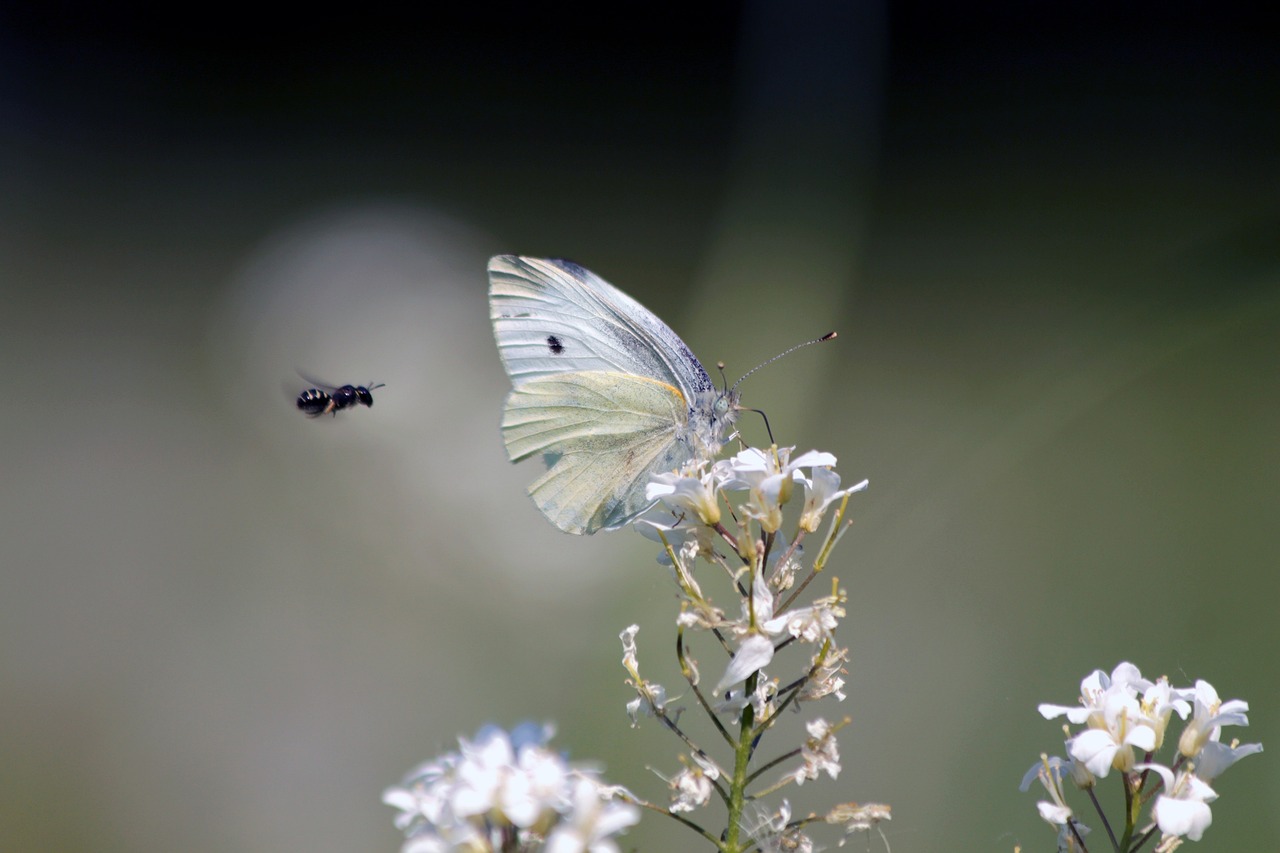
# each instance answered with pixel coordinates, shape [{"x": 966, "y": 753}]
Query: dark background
[{"x": 1048, "y": 239}]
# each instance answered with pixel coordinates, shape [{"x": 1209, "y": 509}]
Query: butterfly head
[{"x": 711, "y": 418}]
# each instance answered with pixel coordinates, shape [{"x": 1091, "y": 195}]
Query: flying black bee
[{"x": 323, "y": 399}]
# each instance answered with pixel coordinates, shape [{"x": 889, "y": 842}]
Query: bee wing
[{"x": 316, "y": 383}]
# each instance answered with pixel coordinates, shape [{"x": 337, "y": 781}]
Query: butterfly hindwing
[{"x": 603, "y": 435}]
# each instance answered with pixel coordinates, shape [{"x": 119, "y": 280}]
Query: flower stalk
[{"x": 762, "y": 492}]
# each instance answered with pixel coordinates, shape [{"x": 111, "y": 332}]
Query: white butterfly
[{"x": 604, "y": 391}]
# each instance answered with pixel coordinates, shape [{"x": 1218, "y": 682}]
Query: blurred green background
[{"x": 1049, "y": 240}]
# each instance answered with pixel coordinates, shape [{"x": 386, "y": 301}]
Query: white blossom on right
[{"x": 1124, "y": 713}]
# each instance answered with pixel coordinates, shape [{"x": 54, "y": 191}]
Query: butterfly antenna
[
  {"x": 828, "y": 336},
  {"x": 724, "y": 380}
]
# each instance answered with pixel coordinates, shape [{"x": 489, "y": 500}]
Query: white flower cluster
[
  {"x": 760, "y": 553},
  {"x": 733, "y": 514},
  {"x": 1124, "y": 714},
  {"x": 507, "y": 792}
]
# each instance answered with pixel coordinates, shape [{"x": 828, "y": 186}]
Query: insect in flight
[
  {"x": 323, "y": 399},
  {"x": 605, "y": 392}
]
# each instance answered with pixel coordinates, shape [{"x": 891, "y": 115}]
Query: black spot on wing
[
  {"x": 554, "y": 344},
  {"x": 574, "y": 269}
]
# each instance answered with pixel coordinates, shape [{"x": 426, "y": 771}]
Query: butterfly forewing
[{"x": 553, "y": 316}]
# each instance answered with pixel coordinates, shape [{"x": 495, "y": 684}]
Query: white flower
[
  {"x": 692, "y": 787},
  {"x": 782, "y": 572},
  {"x": 651, "y": 698},
  {"x": 822, "y": 489},
  {"x": 1116, "y": 719},
  {"x": 751, "y": 466},
  {"x": 1183, "y": 809},
  {"x": 826, "y": 678},
  {"x": 1094, "y": 689},
  {"x": 1049, "y": 772},
  {"x": 811, "y": 624},
  {"x": 761, "y": 699},
  {"x": 1127, "y": 675},
  {"x": 543, "y": 780},
  {"x": 652, "y": 701},
  {"x": 1120, "y": 729},
  {"x": 1215, "y": 758},
  {"x": 753, "y": 654},
  {"x": 768, "y": 476},
  {"x": 755, "y": 650},
  {"x": 503, "y": 788},
  {"x": 630, "y": 652},
  {"x": 494, "y": 781},
  {"x": 444, "y": 839},
  {"x": 1210, "y": 714},
  {"x": 1159, "y": 702},
  {"x": 423, "y": 795},
  {"x": 591, "y": 821},
  {"x": 758, "y": 609},
  {"x": 820, "y": 752},
  {"x": 692, "y": 491}
]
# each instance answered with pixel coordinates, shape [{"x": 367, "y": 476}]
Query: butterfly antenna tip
[{"x": 828, "y": 336}]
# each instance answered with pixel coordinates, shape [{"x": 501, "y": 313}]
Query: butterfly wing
[
  {"x": 603, "y": 435},
  {"x": 552, "y": 317}
]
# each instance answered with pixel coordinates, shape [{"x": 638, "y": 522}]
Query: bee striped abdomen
[{"x": 315, "y": 402}]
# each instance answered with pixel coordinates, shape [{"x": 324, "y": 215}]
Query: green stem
[
  {"x": 741, "y": 760},
  {"x": 1131, "y": 806}
]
